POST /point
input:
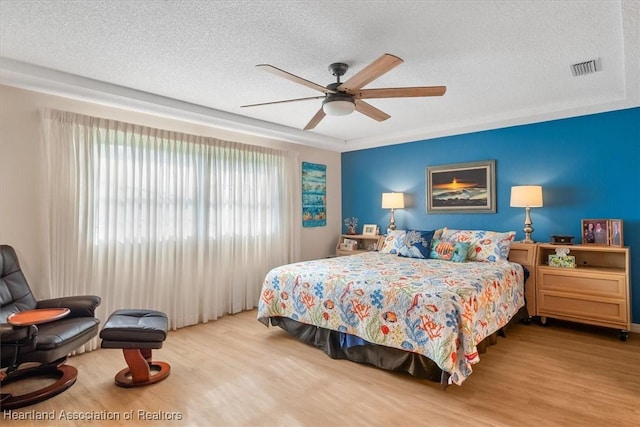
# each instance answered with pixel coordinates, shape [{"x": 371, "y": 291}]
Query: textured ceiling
[{"x": 503, "y": 62}]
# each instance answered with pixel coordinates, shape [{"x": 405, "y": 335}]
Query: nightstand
[
  {"x": 364, "y": 243},
  {"x": 596, "y": 291}
]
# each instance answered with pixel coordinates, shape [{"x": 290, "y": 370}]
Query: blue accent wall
[{"x": 589, "y": 167}]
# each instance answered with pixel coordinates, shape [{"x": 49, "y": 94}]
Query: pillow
[
  {"x": 485, "y": 246},
  {"x": 442, "y": 231},
  {"x": 393, "y": 242},
  {"x": 417, "y": 244},
  {"x": 449, "y": 251}
]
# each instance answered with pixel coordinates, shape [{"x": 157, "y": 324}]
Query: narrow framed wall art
[{"x": 314, "y": 195}]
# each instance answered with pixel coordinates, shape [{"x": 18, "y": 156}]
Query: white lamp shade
[
  {"x": 523, "y": 196},
  {"x": 392, "y": 200},
  {"x": 339, "y": 108}
]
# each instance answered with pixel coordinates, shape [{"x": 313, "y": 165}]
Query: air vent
[{"x": 587, "y": 67}]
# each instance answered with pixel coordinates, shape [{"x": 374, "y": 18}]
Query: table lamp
[
  {"x": 392, "y": 201},
  {"x": 526, "y": 196}
]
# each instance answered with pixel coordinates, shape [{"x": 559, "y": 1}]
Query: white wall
[{"x": 22, "y": 210}]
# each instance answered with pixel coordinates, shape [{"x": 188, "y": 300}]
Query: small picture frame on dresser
[
  {"x": 615, "y": 233},
  {"x": 595, "y": 232},
  {"x": 369, "y": 229}
]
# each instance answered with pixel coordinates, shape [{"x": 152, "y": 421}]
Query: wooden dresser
[{"x": 595, "y": 292}]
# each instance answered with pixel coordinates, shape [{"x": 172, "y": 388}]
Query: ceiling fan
[{"x": 341, "y": 98}]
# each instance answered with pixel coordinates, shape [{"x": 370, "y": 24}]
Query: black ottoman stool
[{"x": 137, "y": 332}]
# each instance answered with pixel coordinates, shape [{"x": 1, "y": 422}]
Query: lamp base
[
  {"x": 392, "y": 221},
  {"x": 528, "y": 229}
]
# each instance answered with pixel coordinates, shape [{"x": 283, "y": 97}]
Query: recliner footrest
[
  {"x": 136, "y": 332},
  {"x": 134, "y": 328}
]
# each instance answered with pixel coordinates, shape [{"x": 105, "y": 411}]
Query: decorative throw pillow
[
  {"x": 438, "y": 233},
  {"x": 417, "y": 244},
  {"x": 485, "y": 246},
  {"x": 393, "y": 242},
  {"x": 449, "y": 251}
]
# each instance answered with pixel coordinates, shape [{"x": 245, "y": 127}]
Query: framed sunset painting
[{"x": 461, "y": 187}]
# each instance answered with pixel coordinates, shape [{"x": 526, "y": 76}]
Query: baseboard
[{"x": 635, "y": 327}]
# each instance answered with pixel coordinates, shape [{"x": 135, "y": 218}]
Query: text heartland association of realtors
[{"x": 132, "y": 415}]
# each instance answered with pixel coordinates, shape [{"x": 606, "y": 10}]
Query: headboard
[{"x": 525, "y": 254}]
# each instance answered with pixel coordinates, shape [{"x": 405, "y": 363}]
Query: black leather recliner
[{"x": 46, "y": 344}]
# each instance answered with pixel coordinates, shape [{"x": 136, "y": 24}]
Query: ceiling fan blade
[
  {"x": 282, "y": 102},
  {"x": 370, "y": 110},
  {"x": 294, "y": 78},
  {"x": 401, "y": 92},
  {"x": 315, "y": 119},
  {"x": 371, "y": 72}
]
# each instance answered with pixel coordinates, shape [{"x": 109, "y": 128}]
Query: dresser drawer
[
  {"x": 582, "y": 282},
  {"x": 608, "y": 312}
]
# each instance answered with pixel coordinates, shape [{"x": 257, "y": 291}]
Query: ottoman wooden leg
[{"x": 141, "y": 370}]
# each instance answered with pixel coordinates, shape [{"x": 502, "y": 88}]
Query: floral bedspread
[{"x": 439, "y": 309}]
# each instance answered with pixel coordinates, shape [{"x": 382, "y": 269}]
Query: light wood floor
[{"x": 236, "y": 372}]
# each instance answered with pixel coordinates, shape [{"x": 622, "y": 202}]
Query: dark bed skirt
[{"x": 387, "y": 358}]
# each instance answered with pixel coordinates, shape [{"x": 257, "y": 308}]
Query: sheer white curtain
[{"x": 148, "y": 218}]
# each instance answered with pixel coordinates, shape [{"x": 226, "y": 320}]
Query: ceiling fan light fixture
[
  {"x": 343, "y": 98},
  {"x": 339, "y": 107}
]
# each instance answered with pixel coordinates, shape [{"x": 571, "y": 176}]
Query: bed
[{"x": 426, "y": 315}]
